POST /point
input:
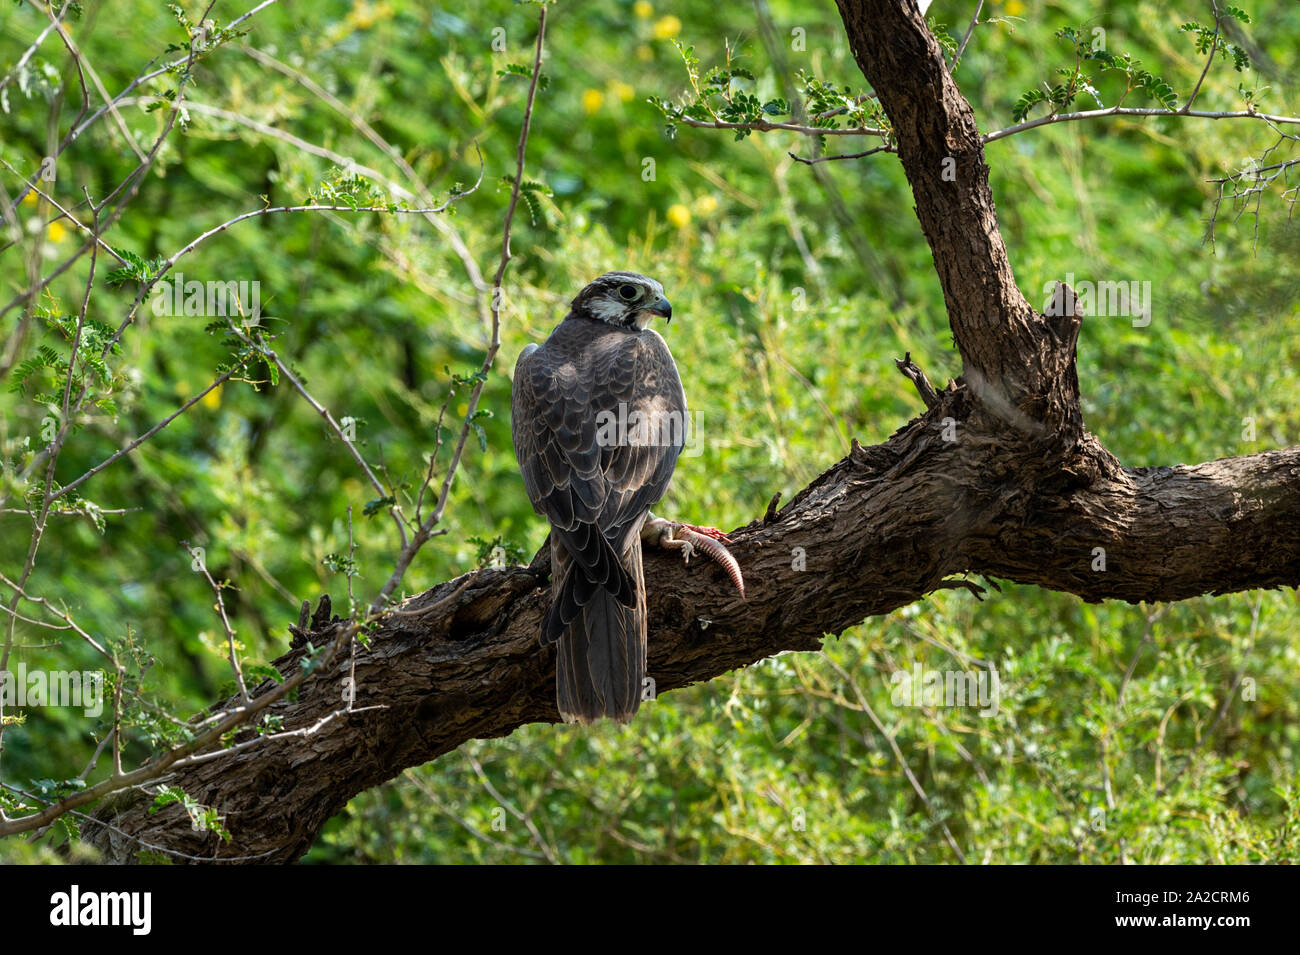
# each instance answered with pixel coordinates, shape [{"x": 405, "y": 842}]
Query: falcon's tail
[{"x": 601, "y": 663}]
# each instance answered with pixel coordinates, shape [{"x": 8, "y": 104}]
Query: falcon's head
[{"x": 625, "y": 299}]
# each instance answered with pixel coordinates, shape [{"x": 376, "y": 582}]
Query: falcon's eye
[{"x": 628, "y": 292}]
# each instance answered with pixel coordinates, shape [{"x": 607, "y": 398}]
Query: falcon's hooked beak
[{"x": 662, "y": 308}]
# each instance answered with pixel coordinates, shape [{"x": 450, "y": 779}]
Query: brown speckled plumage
[{"x": 595, "y": 492}]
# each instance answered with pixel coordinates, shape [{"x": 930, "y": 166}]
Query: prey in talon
[{"x": 688, "y": 538}]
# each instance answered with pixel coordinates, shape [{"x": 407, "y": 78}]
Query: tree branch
[{"x": 472, "y": 666}]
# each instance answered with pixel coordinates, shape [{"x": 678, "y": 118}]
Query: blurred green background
[{"x": 784, "y": 761}]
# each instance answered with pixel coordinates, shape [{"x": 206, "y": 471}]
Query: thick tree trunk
[{"x": 998, "y": 477}]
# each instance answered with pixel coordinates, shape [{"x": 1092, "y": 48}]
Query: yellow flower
[
  {"x": 592, "y": 100},
  {"x": 706, "y": 205},
  {"x": 31, "y": 198},
  {"x": 667, "y": 27},
  {"x": 679, "y": 216},
  {"x": 362, "y": 15},
  {"x": 1015, "y": 8},
  {"x": 621, "y": 91},
  {"x": 213, "y": 398},
  {"x": 644, "y": 53},
  {"x": 643, "y": 9},
  {"x": 57, "y": 231}
]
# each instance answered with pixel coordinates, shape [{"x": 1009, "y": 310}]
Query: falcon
[{"x": 599, "y": 419}]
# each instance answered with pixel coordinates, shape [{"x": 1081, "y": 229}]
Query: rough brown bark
[{"x": 998, "y": 477}]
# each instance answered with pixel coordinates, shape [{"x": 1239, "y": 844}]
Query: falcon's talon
[{"x": 714, "y": 532}]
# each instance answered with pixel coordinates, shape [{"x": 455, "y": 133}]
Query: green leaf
[
  {"x": 378, "y": 504},
  {"x": 165, "y": 797},
  {"x": 263, "y": 671},
  {"x": 1028, "y": 101},
  {"x": 340, "y": 563}
]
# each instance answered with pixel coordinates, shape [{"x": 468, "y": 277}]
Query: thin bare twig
[
  {"x": 232, "y": 656},
  {"x": 762, "y": 126},
  {"x": 136, "y": 442},
  {"x": 473, "y": 831},
  {"x": 269, "y": 353},
  {"x": 83, "y": 68},
  {"x": 505, "y": 804},
  {"x": 31, "y": 50},
  {"x": 887, "y": 148},
  {"x": 961, "y": 47},
  {"x": 1209, "y": 60},
  {"x": 1052, "y": 119},
  {"x": 899, "y": 758}
]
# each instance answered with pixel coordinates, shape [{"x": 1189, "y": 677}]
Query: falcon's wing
[
  {"x": 643, "y": 380},
  {"x": 554, "y": 433},
  {"x": 592, "y": 482}
]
